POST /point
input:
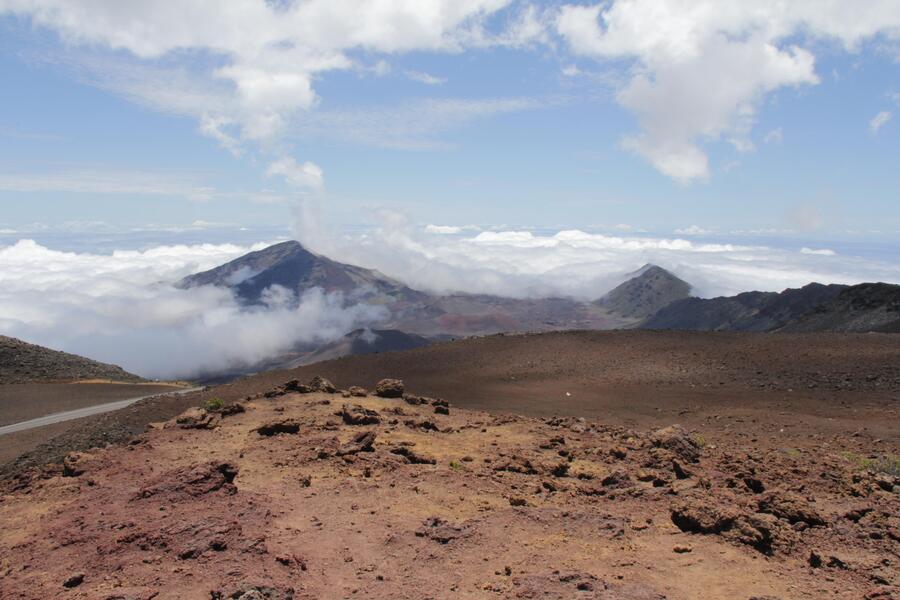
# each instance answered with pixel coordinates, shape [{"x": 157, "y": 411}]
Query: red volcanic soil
[
  {"x": 773, "y": 389},
  {"x": 780, "y": 481},
  {"x": 324, "y": 495}
]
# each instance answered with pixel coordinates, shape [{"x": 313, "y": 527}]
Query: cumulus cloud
[
  {"x": 259, "y": 60},
  {"x": 879, "y": 121},
  {"x": 702, "y": 68},
  {"x": 692, "y": 230},
  {"x": 307, "y": 175},
  {"x": 122, "y": 308}
]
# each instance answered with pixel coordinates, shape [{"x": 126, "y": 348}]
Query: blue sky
[
  {"x": 508, "y": 147},
  {"x": 518, "y": 126}
]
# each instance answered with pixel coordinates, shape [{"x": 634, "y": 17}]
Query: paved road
[{"x": 83, "y": 412}]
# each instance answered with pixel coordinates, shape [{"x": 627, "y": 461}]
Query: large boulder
[
  {"x": 389, "y": 388},
  {"x": 320, "y": 384},
  {"x": 197, "y": 418},
  {"x": 791, "y": 508},
  {"x": 674, "y": 439}
]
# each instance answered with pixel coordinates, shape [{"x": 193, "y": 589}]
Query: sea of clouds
[{"x": 122, "y": 306}]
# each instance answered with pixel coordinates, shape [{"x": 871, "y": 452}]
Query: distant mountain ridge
[
  {"x": 749, "y": 311},
  {"x": 364, "y": 341},
  {"x": 21, "y": 362},
  {"x": 647, "y": 290},
  {"x": 649, "y": 298},
  {"x": 858, "y": 308},
  {"x": 293, "y": 267},
  {"x": 812, "y": 308}
]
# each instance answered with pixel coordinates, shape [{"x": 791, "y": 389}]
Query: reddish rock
[
  {"x": 320, "y": 384},
  {"x": 389, "y": 388},
  {"x": 361, "y": 442},
  {"x": 192, "y": 481},
  {"x": 676, "y": 440},
  {"x": 278, "y": 427},
  {"x": 354, "y": 414}
]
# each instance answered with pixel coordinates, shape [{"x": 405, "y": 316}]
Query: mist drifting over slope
[{"x": 122, "y": 307}]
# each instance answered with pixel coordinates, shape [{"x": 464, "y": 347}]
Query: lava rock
[{"x": 389, "y": 388}]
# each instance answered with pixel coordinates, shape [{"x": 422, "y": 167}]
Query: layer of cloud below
[
  {"x": 122, "y": 308},
  {"x": 523, "y": 263}
]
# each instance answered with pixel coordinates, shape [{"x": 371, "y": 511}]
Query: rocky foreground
[{"x": 307, "y": 492}]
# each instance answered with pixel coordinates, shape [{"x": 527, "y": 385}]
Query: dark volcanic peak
[
  {"x": 366, "y": 341},
  {"x": 21, "y": 362},
  {"x": 290, "y": 265},
  {"x": 859, "y": 308},
  {"x": 750, "y": 311},
  {"x": 647, "y": 291}
]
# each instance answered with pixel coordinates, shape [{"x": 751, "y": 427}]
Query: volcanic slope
[
  {"x": 769, "y": 390},
  {"x": 21, "y": 362},
  {"x": 288, "y": 495},
  {"x": 293, "y": 267},
  {"x": 645, "y": 292}
]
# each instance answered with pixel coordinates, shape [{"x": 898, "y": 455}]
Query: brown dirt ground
[
  {"x": 513, "y": 507},
  {"x": 779, "y": 388},
  {"x": 773, "y": 390}
]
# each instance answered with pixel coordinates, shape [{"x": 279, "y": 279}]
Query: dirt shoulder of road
[{"x": 24, "y": 401}]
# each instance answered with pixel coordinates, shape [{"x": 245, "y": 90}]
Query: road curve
[{"x": 87, "y": 411}]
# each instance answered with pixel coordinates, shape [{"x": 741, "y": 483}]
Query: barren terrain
[
  {"x": 779, "y": 480},
  {"x": 296, "y": 494}
]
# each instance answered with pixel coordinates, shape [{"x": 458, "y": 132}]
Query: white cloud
[
  {"x": 305, "y": 175},
  {"x": 425, "y": 78},
  {"x": 702, "y": 68},
  {"x": 879, "y": 121},
  {"x": 774, "y": 136},
  {"x": 523, "y": 263},
  {"x": 381, "y": 68},
  {"x": 264, "y": 56},
  {"x": 413, "y": 125},
  {"x": 820, "y": 252},
  {"x": 96, "y": 180},
  {"x": 215, "y": 128},
  {"x": 121, "y": 308},
  {"x": 693, "y": 230},
  {"x": 443, "y": 229}
]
